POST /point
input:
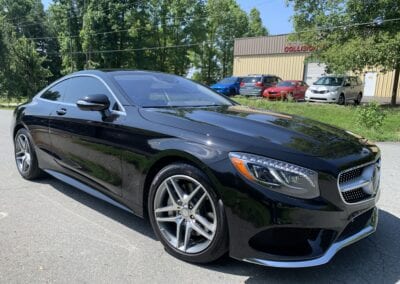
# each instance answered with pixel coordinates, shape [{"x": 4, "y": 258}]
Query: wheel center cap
[{"x": 185, "y": 212}]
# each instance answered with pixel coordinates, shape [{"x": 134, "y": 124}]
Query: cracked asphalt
[{"x": 51, "y": 232}]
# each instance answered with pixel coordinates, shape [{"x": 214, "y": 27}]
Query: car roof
[{"x": 260, "y": 75}]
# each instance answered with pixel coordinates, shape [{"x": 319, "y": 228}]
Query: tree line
[{"x": 38, "y": 46}]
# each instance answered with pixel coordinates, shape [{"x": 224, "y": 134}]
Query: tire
[
  {"x": 187, "y": 178},
  {"x": 25, "y": 156},
  {"x": 342, "y": 100},
  {"x": 358, "y": 100}
]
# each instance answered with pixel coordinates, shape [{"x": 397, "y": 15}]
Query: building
[{"x": 276, "y": 55}]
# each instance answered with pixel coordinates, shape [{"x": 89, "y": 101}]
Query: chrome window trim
[
  {"x": 353, "y": 168},
  {"x": 122, "y": 112}
]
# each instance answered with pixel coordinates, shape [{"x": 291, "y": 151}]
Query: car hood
[
  {"x": 260, "y": 129},
  {"x": 324, "y": 88},
  {"x": 280, "y": 89},
  {"x": 219, "y": 85}
]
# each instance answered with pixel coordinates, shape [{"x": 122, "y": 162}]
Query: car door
[
  {"x": 39, "y": 114},
  {"x": 348, "y": 88},
  {"x": 83, "y": 140}
]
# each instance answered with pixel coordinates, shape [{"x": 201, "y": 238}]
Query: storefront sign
[{"x": 298, "y": 48}]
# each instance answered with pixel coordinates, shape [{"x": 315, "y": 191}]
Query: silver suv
[
  {"x": 336, "y": 89},
  {"x": 254, "y": 85}
]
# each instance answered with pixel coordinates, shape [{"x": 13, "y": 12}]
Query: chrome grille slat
[{"x": 359, "y": 183}]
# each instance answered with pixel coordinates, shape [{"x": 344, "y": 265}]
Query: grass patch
[
  {"x": 6, "y": 103},
  {"x": 344, "y": 117}
]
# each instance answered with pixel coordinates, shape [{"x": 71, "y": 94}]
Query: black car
[{"x": 212, "y": 176}]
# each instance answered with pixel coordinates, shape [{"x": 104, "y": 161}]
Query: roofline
[{"x": 254, "y": 37}]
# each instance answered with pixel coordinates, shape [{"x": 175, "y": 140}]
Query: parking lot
[{"x": 51, "y": 232}]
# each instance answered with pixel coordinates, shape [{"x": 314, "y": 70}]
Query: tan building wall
[
  {"x": 286, "y": 66},
  {"x": 384, "y": 85}
]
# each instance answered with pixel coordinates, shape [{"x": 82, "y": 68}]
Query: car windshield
[
  {"x": 251, "y": 79},
  {"x": 229, "y": 80},
  {"x": 164, "y": 90},
  {"x": 286, "y": 84},
  {"x": 329, "y": 81}
]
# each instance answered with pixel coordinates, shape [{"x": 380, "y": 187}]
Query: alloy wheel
[
  {"x": 23, "y": 153},
  {"x": 185, "y": 214}
]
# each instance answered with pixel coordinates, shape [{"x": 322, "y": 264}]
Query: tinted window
[
  {"x": 56, "y": 92},
  {"x": 251, "y": 79},
  {"x": 160, "y": 90},
  {"x": 79, "y": 87},
  {"x": 354, "y": 81},
  {"x": 269, "y": 80}
]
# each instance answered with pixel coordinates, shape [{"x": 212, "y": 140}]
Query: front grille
[
  {"x": 352, "y": 174},
  {"x": 319, "y": 92},
  {"x": 321, "y": 99},
  {"x": 359, "y": 183},
  {"x": 354, "y": 195}
]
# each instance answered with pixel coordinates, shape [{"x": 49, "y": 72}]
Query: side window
[
  {"x": 354, "y": 81},
  {"x": 347, "y": 82},
  {"x": 269, "y": 80},
  {"x": 56, "y": 92},
  {"x": 80, "y": 87}
]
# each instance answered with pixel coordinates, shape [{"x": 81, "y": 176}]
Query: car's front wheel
[
  {"x": 186, "y": 214},
  {"x": 342, "y": 99},
  {"x": 25, "y": 156}
]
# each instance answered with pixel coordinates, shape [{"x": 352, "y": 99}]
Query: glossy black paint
[{"x": 118, "y": 152}]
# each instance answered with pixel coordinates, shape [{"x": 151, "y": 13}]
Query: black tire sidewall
[
  {"x": 219, "y": 245},
  {"x": 34, "y": 170}
]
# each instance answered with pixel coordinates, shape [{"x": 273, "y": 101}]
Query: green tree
[
  {"x": 24, "y": 67},
  {"x": 256, "y": 27},
  {"x": 351, "y": 35},
  {"x": 216, "y": 57}
]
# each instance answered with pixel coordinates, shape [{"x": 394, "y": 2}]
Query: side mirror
[{"x": 94, "y": 103}]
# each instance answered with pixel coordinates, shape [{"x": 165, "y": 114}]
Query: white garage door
[
  {"x": 370, "y": 84},
  {"x": 313, "y": 72}
]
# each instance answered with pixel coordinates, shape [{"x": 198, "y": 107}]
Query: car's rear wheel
[
  {"x": 25, "y": 156},
  {"x": 342, "y": 99},
  {"x": 186, "y": 215},
  {"x": 358, "y": 100}
]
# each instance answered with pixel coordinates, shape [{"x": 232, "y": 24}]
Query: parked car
[
  {"x": 255, "y": 85},
  {"x": 229, "y": 86},
  {"x": 211, "y": 175},
  {"x": 287, "y": 90},
  {"x": 336, "y": 89}
]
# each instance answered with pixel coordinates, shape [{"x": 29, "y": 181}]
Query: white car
[{"x": 336, "y": 89}]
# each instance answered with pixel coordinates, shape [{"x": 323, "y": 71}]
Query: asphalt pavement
[{"x": 52, "y": 232}]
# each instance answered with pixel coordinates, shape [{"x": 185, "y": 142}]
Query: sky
[{"x": 274, "y": 13}]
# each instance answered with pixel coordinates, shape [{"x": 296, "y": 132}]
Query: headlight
[{"x": 277, "y": 175}]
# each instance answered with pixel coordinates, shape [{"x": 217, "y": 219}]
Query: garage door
[{"x": 313, "y": 72}]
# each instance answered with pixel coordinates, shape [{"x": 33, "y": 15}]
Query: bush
[{"x": 371, "y": 115}]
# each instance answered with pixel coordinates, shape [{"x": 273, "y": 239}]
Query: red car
[{"x": 284, "y": 90}]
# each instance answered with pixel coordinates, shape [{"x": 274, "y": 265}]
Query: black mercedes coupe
[{"x": 213, "y": 177}]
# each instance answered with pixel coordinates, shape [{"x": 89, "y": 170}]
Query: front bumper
[
  {"x": 329, "y": 254},
  {"x": 331, "y": 97}
]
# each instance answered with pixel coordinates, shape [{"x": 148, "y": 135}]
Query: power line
[{"x": 115, "y": 31}]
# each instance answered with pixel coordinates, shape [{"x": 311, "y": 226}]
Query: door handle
[{"x": 61, "y": 111}]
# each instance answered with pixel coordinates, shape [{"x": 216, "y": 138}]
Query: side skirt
[{"x": 87, "y": 189}]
